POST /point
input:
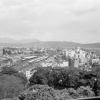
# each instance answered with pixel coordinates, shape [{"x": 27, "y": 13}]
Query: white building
[
  {"x": 78, "y": 49},
  {"x": 28, "y": 74},
  {"x": 82, "y": 54},
  {"x": 64, "y": 64},
  {"x": 70, "y": 53},
  {"x": 95, "y": 60}
]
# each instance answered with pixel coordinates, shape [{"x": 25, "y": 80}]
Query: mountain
[
  {"x": 92, "y": 45},
  {"x": 50, "y": 44},
  {"x": 36, "y": 43},
  {"x": 56, "y": 44},
  {"x": 7, "y": 40},
  {"x": 10, "y": 40}
]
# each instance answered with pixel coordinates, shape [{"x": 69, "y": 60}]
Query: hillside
[{"x": 52, "y": 44}]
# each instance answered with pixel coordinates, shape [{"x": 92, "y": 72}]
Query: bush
[
  {"x": 12, "y": 71},
  {"x": 38, "y": 78},
  {"x": 63, "y": 94},
  {"x": 8, "y": 70},
  {"x": 10, "y": 86},
  {"x": 58, "y": 78},
  {"x": 38, "y": 92},
  {"x": 73, "y": 93},
  {"x": 22, "y": 77},
  {"x": 85, "y": 92}
]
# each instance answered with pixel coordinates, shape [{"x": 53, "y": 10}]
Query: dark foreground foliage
[
  {"x": 44, "y": 92},
  {"x": 55, "y": 84},
  {"x": 61, "y": 78},
  {"x": 12, "y": 83}
]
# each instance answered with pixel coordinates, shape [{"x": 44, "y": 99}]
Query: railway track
[{"x": 27, "y": 64}]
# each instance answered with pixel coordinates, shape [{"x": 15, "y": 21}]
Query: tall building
[{"x": 78, "y": 49}]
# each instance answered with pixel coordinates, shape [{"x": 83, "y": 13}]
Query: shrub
[
  {"x": 38, "y": 92},
  {"x": 85, "y": 92},
  {"x": 8, "y": 70},
  {"x": 10, "y": 86},
  {"x": 12, "y": 71}
]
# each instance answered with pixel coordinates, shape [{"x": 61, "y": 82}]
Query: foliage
[
  {"x": 12, "y": 71},
  {"x": 68, "y": 83},
  {"x": 57, "y": 78},
  {"x": 96, "y": 72},
  {"x": 12, "y": 83},
  {"x": 85, "y": 92},
  {"x": 71, "y": 62},
  {"x": 22, "y": 77},
  {"x": 38, "y": 92},
  {"x": 63, "y": 94},
  {"x": 39, "y": 77},
  {"x": 71, "y": 77},
  {"x": 44, "y": 92},
  {"x": 8, "y": 70},
  {"x": 10, "y": 86}
]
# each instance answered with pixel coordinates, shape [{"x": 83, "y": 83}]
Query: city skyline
[{"x": 51, "y": 20}]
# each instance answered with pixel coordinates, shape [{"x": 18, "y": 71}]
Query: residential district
[{"x": 27, "y": 59}]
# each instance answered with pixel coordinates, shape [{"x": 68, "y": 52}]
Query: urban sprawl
[{"x": 26, "y": 60}]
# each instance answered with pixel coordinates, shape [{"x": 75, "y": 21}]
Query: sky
[{"x": 51, "y": 20}]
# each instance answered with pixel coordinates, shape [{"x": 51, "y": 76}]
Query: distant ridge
[
  {"x": 55, "y": 44},
  {"x": 7, "y": 40}
]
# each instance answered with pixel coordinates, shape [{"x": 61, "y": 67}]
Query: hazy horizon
[
  {"x": 27, "y": 40},
  {"x": 51, "y": 20}
]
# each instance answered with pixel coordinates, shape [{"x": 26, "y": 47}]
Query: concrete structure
[
  {"x": 78, "y": 49},
  {"x": 70, "y": 53},
  {"x": 46, "y": 64},
  {"x": 76, "y": 63},
  {"x": 96, "y": 61},
  {"x": 28, "y": 74},
  {"x": 82, "y": 54},
  {"x": 64, "y": 64}
]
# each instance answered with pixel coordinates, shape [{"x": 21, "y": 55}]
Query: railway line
[
  {"x": 28, "y": 63},
  {"x": 35, "y": 61}
]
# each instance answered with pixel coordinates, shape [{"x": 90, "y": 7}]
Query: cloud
[
  {"x": 82, "y": 12},
  {"x": 50, "y": 19},
  {"x": 1, "y": 4},
  {"x": 46, "y": 36},
  {"x": 86, "y": 6},
  {"x": 26, "y": 21}
]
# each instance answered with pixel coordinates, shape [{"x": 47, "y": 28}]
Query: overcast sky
[{"x": 51, "y": 20}]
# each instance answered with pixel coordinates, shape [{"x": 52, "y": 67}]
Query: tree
[
  {"x": 38, "y": 78},
  {"x": 71, "y": 62},
  {"x": 96, "y": 72},
  {"x": 56, "y": 77},
  {"x": 85, "y": 92},
  {"x": 10, "y": 86},
  {"x": 38, "y": 92},
  {"x": 12, "y": 71},
  {"x": 8, "y": 70},
  {"x": 22, "y": 77}
]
